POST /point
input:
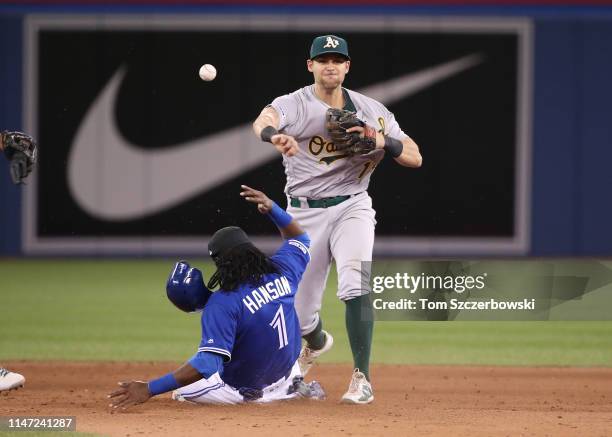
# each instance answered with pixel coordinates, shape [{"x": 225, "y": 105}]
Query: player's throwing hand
[
  {"x": 285, "y": 144},
  {"x": 264, "y": 204},
  {"x": 130, "y": 393}
]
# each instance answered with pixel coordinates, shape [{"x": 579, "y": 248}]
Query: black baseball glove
[
  {"x": 21, "y": 151},
  {"x": 337, "y": 121}
]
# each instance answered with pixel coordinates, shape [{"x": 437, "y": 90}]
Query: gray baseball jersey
[{"x": 320, "y": 171}]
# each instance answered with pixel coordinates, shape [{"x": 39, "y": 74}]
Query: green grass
[{"x": 117, "y": 310}]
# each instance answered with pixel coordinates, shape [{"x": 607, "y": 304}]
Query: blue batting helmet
[{"x": 185, "y": 288}]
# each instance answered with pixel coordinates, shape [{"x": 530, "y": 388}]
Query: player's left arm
[
  {"x": 294, "y": 255},
  {"x": 410, "y": 155},
  {"x": 404, "y": 151},
  {"x": 287, "y": 225},
  {"x": 392, "y": 139},
  {"x": 396, "y": 143}
]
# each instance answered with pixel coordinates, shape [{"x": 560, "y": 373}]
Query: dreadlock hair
[{"x": 243, "y": 264}]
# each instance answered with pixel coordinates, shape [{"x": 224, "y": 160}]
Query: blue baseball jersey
[{"x": 255, "y": 328}]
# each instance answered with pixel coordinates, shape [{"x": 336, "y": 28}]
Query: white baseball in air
[{"x": 208, "y": 72}]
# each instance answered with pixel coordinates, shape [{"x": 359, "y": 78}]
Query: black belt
[{"x": 320, "y": 203}]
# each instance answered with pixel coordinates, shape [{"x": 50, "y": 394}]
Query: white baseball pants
[
  {"x": 214, "y": 391},
  {"x": 344, "y": 233}
]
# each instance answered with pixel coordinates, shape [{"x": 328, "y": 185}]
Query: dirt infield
[{"x": 409, "y": 400}]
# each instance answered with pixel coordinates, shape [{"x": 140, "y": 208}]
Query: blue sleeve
[
  {"x": 207, "y": 363},
  {"x": 292, "y": 258},
  {"x": 219, "y": 324}
]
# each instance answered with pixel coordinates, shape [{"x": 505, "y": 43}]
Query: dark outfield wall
[{"x": 465, "y": 189}]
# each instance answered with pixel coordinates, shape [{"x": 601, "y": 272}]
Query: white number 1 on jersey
[{"x": 278, "y": 322}]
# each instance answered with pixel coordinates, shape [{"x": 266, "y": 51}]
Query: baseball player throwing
[
  {"x": 250, "y": 331},
  {"x": 332, "y": 139}
]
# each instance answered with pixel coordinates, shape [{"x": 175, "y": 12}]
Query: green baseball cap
[{"x": 328, "y": 44}]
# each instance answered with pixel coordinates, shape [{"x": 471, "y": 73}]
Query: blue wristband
[
  {"x": 279, "y": 216},
  {"x": 163, "y": 384}
]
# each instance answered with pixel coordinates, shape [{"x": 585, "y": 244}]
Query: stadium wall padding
[{"x": 571, "y": 208}]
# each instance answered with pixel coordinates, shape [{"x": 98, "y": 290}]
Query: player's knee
[
  {"x": 353, "y": 279},
  {"x": 309, "y": 324}
]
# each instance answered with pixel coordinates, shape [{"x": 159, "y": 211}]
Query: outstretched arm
[
  {"x": 137, "y": 392},
  {"x": 266, "y": 129},
  {"x": 287, "y": 226}
]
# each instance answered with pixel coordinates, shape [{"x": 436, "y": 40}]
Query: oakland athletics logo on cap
[
  {"x": 328, "y": 44},
  {"x": 331, "y": 42}
]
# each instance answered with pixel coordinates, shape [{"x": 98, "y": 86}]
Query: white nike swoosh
[{"x": 113, "y": 180}]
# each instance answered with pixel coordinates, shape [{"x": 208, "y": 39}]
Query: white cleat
[
  {"x": 309, "y": 356},
  {"x": 10, "y": 380},
  {"x": 360, "y": 390}
]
